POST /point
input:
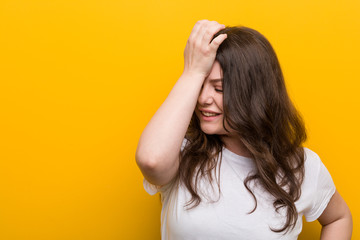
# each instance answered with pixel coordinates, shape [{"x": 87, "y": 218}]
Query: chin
[{"x": 210, "y": 131}]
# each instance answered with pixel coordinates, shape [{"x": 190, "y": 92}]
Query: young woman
[{"x": 229, "y": 118}]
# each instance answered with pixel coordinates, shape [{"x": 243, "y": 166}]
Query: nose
[{"x": 206, "y": 96}]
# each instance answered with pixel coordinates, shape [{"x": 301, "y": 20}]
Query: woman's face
[{"x": 209, "y": 108}]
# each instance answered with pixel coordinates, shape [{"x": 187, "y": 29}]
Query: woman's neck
[{"x": 235, "y": 145}]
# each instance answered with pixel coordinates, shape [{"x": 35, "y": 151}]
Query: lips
[
  {"x": 208, "y": 111},
  {"x": 209, "y": 114}
]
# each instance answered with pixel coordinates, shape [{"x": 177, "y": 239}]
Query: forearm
[
  {"x": 159, "y": 146},
  {"x": 338, "y": 230},
  {"x": 165, "y": 132}
]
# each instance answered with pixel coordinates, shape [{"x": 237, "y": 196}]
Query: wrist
[{"x": 195, "y": 76}]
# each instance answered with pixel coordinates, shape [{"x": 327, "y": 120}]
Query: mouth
[{"x": 209, "y": 114}]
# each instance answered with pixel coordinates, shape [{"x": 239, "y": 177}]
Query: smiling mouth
[{"x": 209, "y": 114}]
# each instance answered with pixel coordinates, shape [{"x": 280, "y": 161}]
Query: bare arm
[
  {"x": 336, "y": 220},
  {"x": 157, "y": 153}
]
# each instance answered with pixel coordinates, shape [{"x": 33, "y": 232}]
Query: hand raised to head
[{"x": 200, "y": 53}]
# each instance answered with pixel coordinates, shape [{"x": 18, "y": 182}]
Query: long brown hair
[{"x": 256, "y": 105}]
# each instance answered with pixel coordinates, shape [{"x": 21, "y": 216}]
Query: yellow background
[{"x": 79, "y": 80}]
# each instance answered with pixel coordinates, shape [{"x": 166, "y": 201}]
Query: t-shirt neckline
[{"x": 237, "y": 158}]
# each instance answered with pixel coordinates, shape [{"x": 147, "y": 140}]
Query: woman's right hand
[{"x": 199, "y": 53}]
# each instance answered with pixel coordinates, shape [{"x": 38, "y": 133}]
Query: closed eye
[{"x": 218, "y": 90}]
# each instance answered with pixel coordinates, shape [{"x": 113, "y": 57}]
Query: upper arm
[{"x": 336, "y": 209}]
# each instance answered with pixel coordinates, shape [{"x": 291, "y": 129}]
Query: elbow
[
  {"x": 145, "y": 160},
  {"x": 347, "y": 217},
  {"x": 350, "y": 220}
]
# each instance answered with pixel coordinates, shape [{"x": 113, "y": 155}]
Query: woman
[{"x": 229, "y": 118}]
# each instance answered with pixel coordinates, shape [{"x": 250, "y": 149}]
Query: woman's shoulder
[
  {"x": 314, "y": 166},
  {"x": 310, "y": 154},
  {"x": 312, "y": 163},
  {"x": 311, "y": 157}
]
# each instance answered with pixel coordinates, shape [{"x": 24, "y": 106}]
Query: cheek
[{"x": 220, "y": 103}]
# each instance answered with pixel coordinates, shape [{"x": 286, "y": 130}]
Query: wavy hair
[{"x": 257, "y": 107}]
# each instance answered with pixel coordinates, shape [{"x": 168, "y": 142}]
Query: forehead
[{"x": 215, "y": 72}]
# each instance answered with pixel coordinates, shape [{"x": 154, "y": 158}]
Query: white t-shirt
[{"x": 228, "y": 218}]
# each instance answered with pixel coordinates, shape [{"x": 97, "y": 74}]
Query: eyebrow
[{"x": 216, "y": 80}]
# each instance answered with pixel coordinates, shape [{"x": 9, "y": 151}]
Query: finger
[
  {"x": 205, "y": 30},
  {"x": 211, "y": 31},
  {"x": 196, "y": 29},
  {"x": 218, "y": 40}
]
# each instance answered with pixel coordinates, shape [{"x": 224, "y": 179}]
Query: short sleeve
[
  {"x": 323, "y": 190},
  {"x": 153, "y": 189}
]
